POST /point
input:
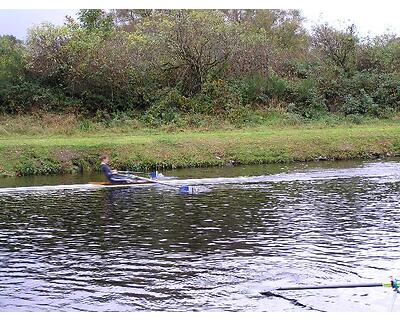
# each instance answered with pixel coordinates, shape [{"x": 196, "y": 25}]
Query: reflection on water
[{"x": 152, "y": 249}]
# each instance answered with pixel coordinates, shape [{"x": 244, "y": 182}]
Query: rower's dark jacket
[
  {"x": 114, "y": 178},
  {"x": 107, "y": 171}
]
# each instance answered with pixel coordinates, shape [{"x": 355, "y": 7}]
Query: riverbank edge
[{"x": 58, "y": 155}]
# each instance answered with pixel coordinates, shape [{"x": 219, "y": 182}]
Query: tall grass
[{"x": 53, "y": 124}]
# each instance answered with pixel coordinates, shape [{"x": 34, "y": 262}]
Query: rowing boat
[
  {"x": 87, "y": 186},
  {"x": 102, "y": 183},
  {"x": 144, "y": 183}
]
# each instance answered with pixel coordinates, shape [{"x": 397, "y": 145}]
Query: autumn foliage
[{"x": 160, "y": 63}]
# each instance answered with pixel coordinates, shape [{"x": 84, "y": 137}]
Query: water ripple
[{"x": 153, "y": 249}]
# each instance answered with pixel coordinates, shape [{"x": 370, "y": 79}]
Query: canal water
[{"x": 154, "y": 249}]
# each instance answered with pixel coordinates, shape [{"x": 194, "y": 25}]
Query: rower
[{"x": 112, "y": 175}]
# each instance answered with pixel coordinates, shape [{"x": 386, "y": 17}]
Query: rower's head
[{"x": 104, "y": 159}]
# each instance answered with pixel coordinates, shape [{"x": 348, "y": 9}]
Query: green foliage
[
  {"x": 85, "y": 125},
  {"x": 257, "y": 88},
  {"x": 355, "y": 118},
  {"x": 11, "y": 59},
  {"x": 363, "y": 92},
  {"x": 27, "y": 96},
  {"x": 277, "y": 87},
  {"x": 85, "y": 163},
  {"x": 161, "y": 65},
  {"x": 337, "y": 47},
  {"x": 220, "y": 96},
  {"x": 245, "y": 116},
  {"x": 254, "y": 88},
  {"x": 306, "y": 100},
  {"x": 167, "y": 109},
  {"x": 354, "y": 106},
  {"x": 32, "y": 163},
  {"x": 11, "y": 68},
  {"x": 95, "y": 19},
  {"x": 300, "y": 96}
]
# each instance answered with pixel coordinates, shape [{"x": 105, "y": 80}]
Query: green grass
[
  {"x": 62, "y": 125},
  {"x": 144, "y": 148}
]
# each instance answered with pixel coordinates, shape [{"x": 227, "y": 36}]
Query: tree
[
  {"x": 189, "y": 47},
  {"x": 336, "y": 47},
  {"x": 12, "y": 65},
  {"x": 95, "y": 19},
  {"x": 47, "y": 57},
  {"x": 11, "y": 58},
  {"x": 280, "y": 32}
]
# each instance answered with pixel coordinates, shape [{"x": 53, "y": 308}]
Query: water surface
[{"x": 153, "y": 249}]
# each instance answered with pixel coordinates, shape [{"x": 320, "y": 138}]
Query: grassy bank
[{"x": 143, "y": 149}]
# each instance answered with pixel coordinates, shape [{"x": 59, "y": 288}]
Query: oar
[
  {"x": 129, "y": 172},
  {"x": 393, "y": 284},
  {"x": 184, "y": 189},
  {"x": 153, "y": 174}
]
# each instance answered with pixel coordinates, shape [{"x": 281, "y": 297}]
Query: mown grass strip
[{"x": 59, "y": 154}]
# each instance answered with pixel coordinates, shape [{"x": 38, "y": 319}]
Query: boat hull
[{"x": 106, "y": 183}]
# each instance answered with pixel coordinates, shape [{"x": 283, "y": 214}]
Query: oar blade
[
  {"x": 154, "y": 175},
  {"x": 185, "y": 189},
  {"x": 268, "y": 293}
]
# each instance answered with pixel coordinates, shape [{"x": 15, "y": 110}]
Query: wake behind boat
[{"x": 372, "y": 172}]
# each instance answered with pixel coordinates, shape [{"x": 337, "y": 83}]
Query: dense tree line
[{"x": 163, "y": 62}]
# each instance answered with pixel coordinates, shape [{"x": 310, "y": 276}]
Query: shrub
[
  {"x": 27, "y": 96},
  {"x": 305, "y": 100},
  {"x": 162, "y": 63},
  {"x": 253, "y": 88},
  {"x": 244, "y": 116},
  {"x": 257, "y": 88},
  {"x": 167, "y": 110},
  {"x": 34, "y": 164}
]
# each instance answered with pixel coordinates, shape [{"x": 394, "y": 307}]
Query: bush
[
  {"x": 352, "y": 105},
  {"x": 377, "y": 95},
  {"x": 27, "y": 96},
  {"x": 167, "y": 110},
  {"x": 355, "y": 118},
  {"x": 85, "y": 125},
  {"x": 244, "y": 116},
  {"x": 305, "y": 100},
  {"x": 216, "y": 97},
  {"x": 257, "y": 88},
  {"x": 359, "y": 93},
  {"x": 34, "y": 164},
  {"x": 170, "y": 62},
  {"x": 253, "y": 89}
]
